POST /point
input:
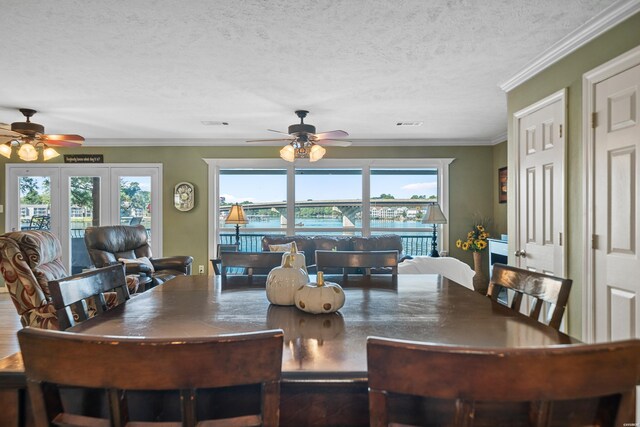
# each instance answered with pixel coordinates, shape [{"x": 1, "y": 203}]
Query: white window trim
[
  {"x": 154, "y": 170},
  {"x": 214, "y": 166}
]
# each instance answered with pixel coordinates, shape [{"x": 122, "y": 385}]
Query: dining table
[{"x": 324, "y": 366}]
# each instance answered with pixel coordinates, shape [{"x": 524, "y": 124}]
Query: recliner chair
[
  {"x": 118, "y": 243},
  {"x": 29, "y": 260}
]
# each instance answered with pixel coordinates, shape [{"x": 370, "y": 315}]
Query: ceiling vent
[
  {"x": 409, "y": 123},
  {"x": 214, "y": 123}
]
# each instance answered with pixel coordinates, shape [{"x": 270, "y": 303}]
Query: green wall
[
  {"x": 472, "y": 186},
  {"x": 567, "y": 73},
  {"x": 499, "y": 209}
]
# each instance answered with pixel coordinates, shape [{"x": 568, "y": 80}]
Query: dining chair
[
  {"x": 357, "y": 261},
  {"x": 122, "y": 365},
  {"x": 81, "y": 296},
  {"x": 222, "y": 247},
  {"x": 251, "y": 262},
  {"x": 542, "y": 288},
  {"x": 571, "y": 385}
]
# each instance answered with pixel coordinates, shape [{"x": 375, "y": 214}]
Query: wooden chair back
[
  {"x": 526, "y": 386},
  {"x": 362, "y": 260},
  {"x": 70, "y": 294},
  {"x": 121, "y": 364},
  {"x": 541, "y": 287},
  {"x": 222, "y": 247},
  {"x": 251, "y": 262}
]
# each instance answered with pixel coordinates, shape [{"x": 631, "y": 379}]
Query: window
[
  {"x": 352, "y": 197},
  {"x": 263, "y": 195},
  {"x": 328, "y": 199}
]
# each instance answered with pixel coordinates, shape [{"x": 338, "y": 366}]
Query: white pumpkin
[
  {"x": 298, "y": 259},
  {"x": 282, "y": 283},
  {"x": 319, "y": 297}
]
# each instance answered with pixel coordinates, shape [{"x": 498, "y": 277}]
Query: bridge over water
[{"x": 348, "y": 208}]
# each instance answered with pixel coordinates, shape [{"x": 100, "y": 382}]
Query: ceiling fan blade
[
  {"x": 62, "y": 140},
  {"x": 331, "y": 134},
  {"x": 333, "y": 143},
  {"x": 277, "y": 131},
  {"x": 10, "y": 134},
  {"x": 271, "y": 140}
]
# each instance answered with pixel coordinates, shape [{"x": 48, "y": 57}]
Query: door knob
[{"x": 520, "y": 253}]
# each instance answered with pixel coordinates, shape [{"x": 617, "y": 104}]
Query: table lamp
[
  {"x": 434, "y": 216},
  {"x": 236, "y": 216}
]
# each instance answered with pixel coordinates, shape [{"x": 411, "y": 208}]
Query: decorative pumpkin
[
  {"x": 319, "y": 297},
  {"x": 298, "y": 260},
  {"x": 283, "y": 281}
]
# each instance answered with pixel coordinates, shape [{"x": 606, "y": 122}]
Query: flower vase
[{"x": 479, "y": 281}]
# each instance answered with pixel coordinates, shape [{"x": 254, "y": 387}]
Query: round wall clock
[{"x": 184, "y": 196}]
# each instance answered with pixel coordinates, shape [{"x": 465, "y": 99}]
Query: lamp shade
[
  {"x": 288, "y": 153},
  {"x": 5, "y": 149},
  {"x": 236, "y": 215},
  {"x": 434, "y": 215},
  {"x": 316, "y": 153}
]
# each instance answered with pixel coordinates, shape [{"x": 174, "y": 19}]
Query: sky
[{"x": 270, "y": 188}]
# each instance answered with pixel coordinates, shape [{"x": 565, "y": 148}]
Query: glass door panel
[
  {"x": 136, "y": 201},
  {"x": 85, "y": 204},
  {"x": 34, "y": 205}
]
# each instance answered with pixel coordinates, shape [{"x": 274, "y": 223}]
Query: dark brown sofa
[{"x": 309, "y": 244}]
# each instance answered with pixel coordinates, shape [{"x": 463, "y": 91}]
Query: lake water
[{"x": 332, "y": 223}]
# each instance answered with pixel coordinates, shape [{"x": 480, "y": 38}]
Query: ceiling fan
[
  {"x": 304, "y": 142},
  {"x": 29, "y": 136}
]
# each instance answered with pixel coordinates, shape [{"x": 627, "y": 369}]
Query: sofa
[{"x": 309, "y": 244}]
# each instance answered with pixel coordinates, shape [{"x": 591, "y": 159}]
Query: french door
[{"x": 66, "y": 199}]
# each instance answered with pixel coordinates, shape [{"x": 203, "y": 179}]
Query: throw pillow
[
  {"x": 141, "y": 260},
  {"x": 285, "y": 247}
]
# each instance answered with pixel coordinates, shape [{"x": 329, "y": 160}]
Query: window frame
[{"x": 215, "y": 165}]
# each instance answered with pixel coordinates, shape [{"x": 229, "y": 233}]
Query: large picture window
[{"x": 337, "y": 197}]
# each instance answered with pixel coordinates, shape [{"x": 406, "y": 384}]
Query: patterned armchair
[{"x": 29, "y": 260}]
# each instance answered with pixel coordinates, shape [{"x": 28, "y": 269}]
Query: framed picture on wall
[{"x": 502, "y": 185}]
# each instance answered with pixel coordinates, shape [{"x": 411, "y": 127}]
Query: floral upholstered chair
[{"x": 29, "y": 260}]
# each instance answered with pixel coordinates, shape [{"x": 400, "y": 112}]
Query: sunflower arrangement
[{"x": 476, "y": 239}]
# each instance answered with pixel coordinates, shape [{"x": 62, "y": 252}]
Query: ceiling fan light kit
[
  {"x": 29, "y": 137},
  {"x": 305, "y": 143}
]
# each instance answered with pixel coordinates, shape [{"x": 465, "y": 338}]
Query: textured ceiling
[{"x": 116, "y": 71}]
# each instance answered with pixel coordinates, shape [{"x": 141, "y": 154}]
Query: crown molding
[
  {"x": 499, "y": 138},
  {"x": 607, "y": 19},
  {"x": 204, "y": 142}
]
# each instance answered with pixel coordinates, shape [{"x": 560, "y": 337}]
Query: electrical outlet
[{"x": 201, "y": 269}]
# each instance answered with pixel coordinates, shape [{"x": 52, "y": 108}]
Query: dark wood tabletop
[{"x": 413, "y": 307}]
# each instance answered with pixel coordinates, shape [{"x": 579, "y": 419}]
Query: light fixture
[
  {"x": 434, "y": 216},
  {"x": 302, "y": 148},
  {"x": 49, "y": 153},
  {"x": 236, "y": 216},
  {"x": 5, "y": 149},
  {"x": 27, "y": 152},
  {"x": 288, "y": 153},
  {"x": 29, "y": 139},
  {"x": 316, "y": 153}
]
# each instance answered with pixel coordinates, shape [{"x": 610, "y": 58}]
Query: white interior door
[
  {"x": 616, "y": 266},
  {"x": 541, "y": 154}
]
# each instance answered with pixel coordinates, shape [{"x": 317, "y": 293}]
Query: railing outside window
[{"x": 412, "y": 245}]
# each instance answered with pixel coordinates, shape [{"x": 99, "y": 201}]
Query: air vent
[
  {"x": 214, "y": 123},
  {"x": 409, "y": 123}
]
